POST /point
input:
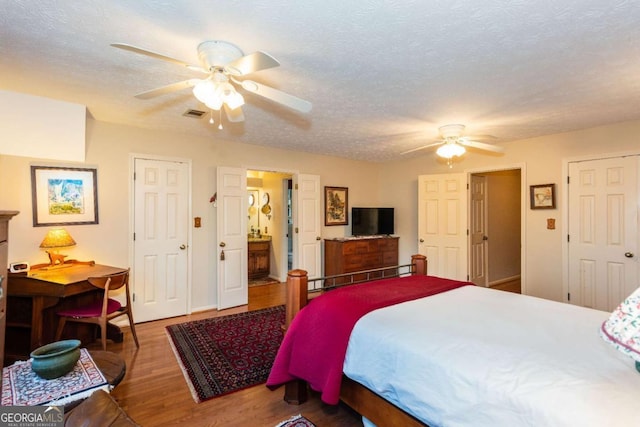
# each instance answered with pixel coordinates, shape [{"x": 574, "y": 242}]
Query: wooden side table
[
  {"x": 110, "y": 364},
  {"x": 112, "y": 367}
]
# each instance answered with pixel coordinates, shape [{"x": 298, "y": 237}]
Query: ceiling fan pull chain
[
  {"x": 211, "y": 118},
  {"x": 220, "y": 125}
]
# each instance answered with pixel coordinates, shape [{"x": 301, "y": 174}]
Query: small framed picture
[
  {"x": 336, "y": 205},
  {"x": 64, "y": 196},
  {"x": 543, "y": 196}
]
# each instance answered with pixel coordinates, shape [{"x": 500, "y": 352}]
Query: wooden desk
[{"x": 34, "y": 297}]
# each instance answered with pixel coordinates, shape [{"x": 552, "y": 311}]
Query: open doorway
[
  {"x": 269, "y": 248},
  {"x": 495, "y": 225}
]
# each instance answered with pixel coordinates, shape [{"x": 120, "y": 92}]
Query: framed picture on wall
[
  {"x": 336, "y": 206},
  {"x": 64, "y": 196},
  {"x": 543, "y": 196}
]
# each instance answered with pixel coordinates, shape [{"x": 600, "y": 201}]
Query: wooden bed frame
[{"x": 368, "y": 404}]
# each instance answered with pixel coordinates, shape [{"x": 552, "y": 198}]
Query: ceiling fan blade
[
  {"x": 235, "y": 115},
  {"x": 251, "y": 63},
  {"x": 481, "y": 145},
  {"x": 167, "y": 89},
  {"x": 275, "y": 95},
  {"x": 158, "y": 56},
  {"x": 422, "y": 148}
]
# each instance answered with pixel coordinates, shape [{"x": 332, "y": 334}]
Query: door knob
[
  {"x": 421, "y": 240},
  {"x": 183, "y": 247},
  {"x": 223, "y": 244},
  {"x": 318, "y": 238},
  {"x": 485, "y": 238},
  {"x": 628, "y": 254}
]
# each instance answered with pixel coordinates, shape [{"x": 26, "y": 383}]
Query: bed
[{"x": 460, "y": 356}]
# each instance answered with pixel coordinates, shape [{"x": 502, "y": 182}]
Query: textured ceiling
[{"x": 382, "y": 75}]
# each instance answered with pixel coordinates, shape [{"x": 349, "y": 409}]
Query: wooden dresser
[
  {"x": 5, "y": 216},
  {"x": 356, "y": 254}
]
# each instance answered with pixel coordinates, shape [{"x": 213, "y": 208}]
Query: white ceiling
[{"x": 382, "y": 75}]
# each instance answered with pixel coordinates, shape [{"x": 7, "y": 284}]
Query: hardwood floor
[
  {"x": 154, "y": 391},
  {"x": 509, "y": 286}
]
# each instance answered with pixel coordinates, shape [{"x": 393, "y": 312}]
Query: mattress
[{"x": 474, "y": 356}]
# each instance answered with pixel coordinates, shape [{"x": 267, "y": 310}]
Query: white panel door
[
  {"x": 442, "y": 224},
  {"x": 478, "y": 231},
  {"x": 160, "y": 275},
  {"x": 307, "y": 224},
  {"x": 603, "y": 231},
  {"x": 231, "y": 221}
]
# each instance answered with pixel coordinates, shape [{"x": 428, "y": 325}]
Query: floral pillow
[{"x": 622, "y": 329}]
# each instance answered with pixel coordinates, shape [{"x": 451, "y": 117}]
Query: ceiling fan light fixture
[
  {"x": 234, "y": 100},
  {"x": 214, "y": 94},
  {"x": 450, "y": 150},
  {"x": 203, "y": 90}
]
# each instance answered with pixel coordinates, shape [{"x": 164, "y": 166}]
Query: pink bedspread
[{"x": 314, "y": 347}]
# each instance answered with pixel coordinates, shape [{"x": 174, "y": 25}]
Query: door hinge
[
  {"x": 134, "y": 176},
  {"x": 568, "y": 238},
  {"x": 467, "y": 231},
  {"x": 568, "y": 178},
  {"x": 467, "y": 185},
  {"x": 296, "y": 186},
  {"x": 133, "y": 297},
  {"x": 134, "y": 237},
  {"x": 568, "y": 296}
]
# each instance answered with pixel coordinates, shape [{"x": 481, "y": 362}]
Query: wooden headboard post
[
  {"x": 420, "y": 264},
  {"x": 296, "y": 294},
  {"x": 295, "y": 392}
]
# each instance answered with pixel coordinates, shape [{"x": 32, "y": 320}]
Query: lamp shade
[
  {"x": 622, "y": 329},
  {"x": 57, "y": 238},
  {"x": 450, "y": 150}
]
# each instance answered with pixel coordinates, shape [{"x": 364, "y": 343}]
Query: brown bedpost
[
  {"x": 420, "y": 263},
  {"x": 295, "y": 392},
  {"x": 296, "y": 294}
]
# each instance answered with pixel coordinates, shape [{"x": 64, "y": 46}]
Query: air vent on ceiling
[{"x": 196, "y": 114}]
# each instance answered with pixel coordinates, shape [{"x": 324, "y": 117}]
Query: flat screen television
[{"x": 372, "y": 221}]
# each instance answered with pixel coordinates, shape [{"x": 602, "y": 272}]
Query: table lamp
[
  {"x": 55, "y": 239},
  {"x": 622, "y": 329}
]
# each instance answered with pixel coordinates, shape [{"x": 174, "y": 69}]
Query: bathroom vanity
[{"x": 259, "y": 257}]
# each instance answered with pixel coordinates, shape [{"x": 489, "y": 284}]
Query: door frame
[
  {"x": 293, "y": 173},
  {"x": 131, "y": 225},
  {"x": 523, "y": 215},
  {"x": 565, "y": 208}
]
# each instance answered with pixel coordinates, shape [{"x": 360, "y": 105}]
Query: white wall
[
  {"x": 108, "y": 149},
  {"x": 543, "y": 158},
  {"x": 28, "y": 122},
  {"x": 387, "y": 184}
]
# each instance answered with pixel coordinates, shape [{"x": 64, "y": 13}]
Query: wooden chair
[{"x": 101, "y": 311}]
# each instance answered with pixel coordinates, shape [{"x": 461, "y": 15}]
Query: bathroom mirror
[{"x": 254, "y": 218}]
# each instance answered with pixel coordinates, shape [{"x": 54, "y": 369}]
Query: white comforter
[{"x": 479, "y": 357}]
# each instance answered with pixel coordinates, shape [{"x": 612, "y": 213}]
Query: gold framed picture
[
  {"x": 336, "y": 206},
  {"x": 543, "y": 196}
]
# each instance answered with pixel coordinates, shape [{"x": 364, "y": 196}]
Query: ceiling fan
[
  {"x": 453, "y": 144},
  {"x": 226, "y": 66}
]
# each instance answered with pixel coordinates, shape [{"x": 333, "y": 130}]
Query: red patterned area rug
[
  {"x": 296, "y": 421},
  {"x": 225, "y": 354}
]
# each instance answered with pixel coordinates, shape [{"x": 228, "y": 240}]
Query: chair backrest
[{"x": 110, "y": 282}]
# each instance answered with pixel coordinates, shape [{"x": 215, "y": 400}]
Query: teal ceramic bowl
[{"x": 56, "y": 359}]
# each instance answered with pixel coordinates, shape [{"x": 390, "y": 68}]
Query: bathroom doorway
[{"x": 270, "y": 220}]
